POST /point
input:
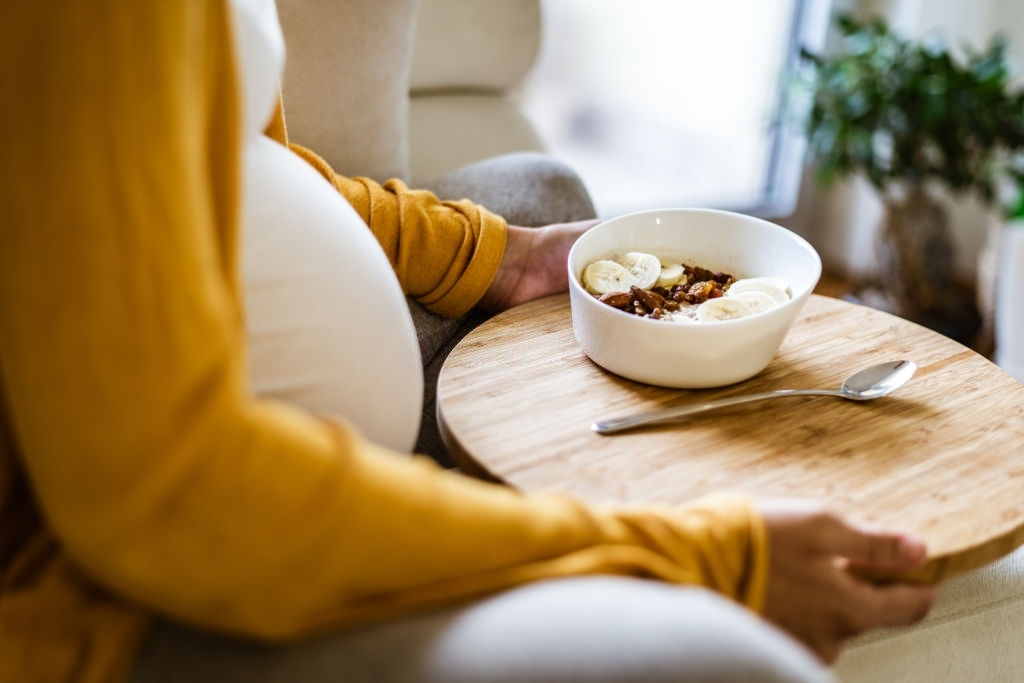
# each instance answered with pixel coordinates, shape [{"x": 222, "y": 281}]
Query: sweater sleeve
[
  {"x": 445, "y": 253},
  {"x": 123, "y": 366}
]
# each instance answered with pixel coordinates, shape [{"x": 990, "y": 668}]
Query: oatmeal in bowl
[{"x": 678, "y": 292}]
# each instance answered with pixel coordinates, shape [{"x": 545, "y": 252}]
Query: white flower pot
[{"x": 1009, "y": 301}]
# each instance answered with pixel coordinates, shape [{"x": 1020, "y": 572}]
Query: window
[{"x": 662, "y": 103}]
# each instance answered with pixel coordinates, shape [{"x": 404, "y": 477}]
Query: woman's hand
[
  {"x": 534, "y": 264},
  {"x": 813, "y": 592}
]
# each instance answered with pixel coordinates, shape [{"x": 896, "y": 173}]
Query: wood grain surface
[{"x": 941, "y": 458}]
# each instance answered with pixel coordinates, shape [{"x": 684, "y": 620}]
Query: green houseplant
[{"x": 919, "y": 122}]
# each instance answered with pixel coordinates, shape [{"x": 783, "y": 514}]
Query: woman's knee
[{"x": 616, "y": 630}]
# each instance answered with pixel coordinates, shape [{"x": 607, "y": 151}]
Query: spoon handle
[{"x": 671, "y": 414}]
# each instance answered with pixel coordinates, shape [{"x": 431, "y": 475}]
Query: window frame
[{"x": 786, "y": 161}]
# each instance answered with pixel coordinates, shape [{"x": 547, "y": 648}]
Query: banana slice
[
  {"x": 602, "y": 277},
  {"x": 722, "y": 308},
  {"x": 645, "y": 268},
  {"x": 671, "y": 273},
  {"x": 776, "y": 288},
  {"x": 758, "y": 301}
]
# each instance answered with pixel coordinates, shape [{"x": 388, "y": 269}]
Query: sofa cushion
[
  {"x": 346, "y": 82},
  {"x": 473, "y": 45},
  {"x": 447, "y": 132},
  {"x": 975, "y": 632}
]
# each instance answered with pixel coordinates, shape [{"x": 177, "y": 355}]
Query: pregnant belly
[{"x": 328, "y": 325}]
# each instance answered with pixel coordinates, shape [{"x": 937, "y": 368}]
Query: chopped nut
[
  {"x": 622, "y": 300},
  {"x": 723, "y": 279},
  {"x": 650, "y": 300},
  {"x": 699, "y": 292},
  {"x": 698, "y": 274},
  {"x": 679, "y": 295}
]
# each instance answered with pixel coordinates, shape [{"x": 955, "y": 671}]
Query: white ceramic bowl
[{"x": 691, "y": 355}]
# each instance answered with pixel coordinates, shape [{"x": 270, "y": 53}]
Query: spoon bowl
[
  {"x": 878, "y": 380},
  {"x": 867, "y": 384}
]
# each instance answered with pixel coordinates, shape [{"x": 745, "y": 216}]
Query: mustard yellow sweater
[{"x": 137, "y": 475}]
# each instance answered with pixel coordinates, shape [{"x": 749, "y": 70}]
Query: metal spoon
[{"x": 863, "y": 385}]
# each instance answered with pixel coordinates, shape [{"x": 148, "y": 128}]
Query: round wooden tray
[{"x": 941, "y": 458}]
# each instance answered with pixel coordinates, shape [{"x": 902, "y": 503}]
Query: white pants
[{"x": 585, "y": 630}]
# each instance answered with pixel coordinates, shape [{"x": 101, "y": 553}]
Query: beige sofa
[
  {"x": 408, "y": 89},
  {"x": 416, "y": 88}
]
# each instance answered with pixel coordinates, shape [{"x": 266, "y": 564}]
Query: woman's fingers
[
  {"x": 870, "y": 548},
  {"x": 862, "y": 545},
  {"x": 813, "y": 594},
  {"x": 899, "y": 604}
]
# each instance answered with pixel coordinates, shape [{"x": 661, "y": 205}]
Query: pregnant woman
[{"x": 160, "y": 521}]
